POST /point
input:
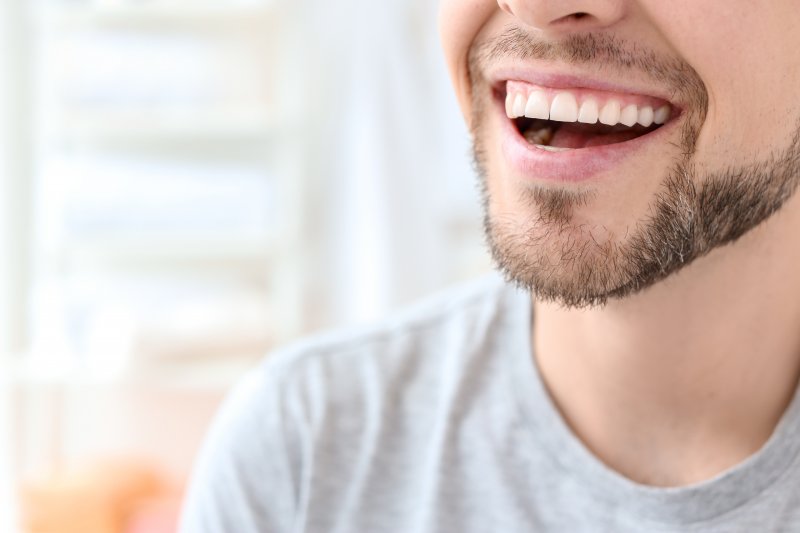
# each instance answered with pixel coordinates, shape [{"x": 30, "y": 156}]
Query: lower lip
[{"x": 573, "y": 166}]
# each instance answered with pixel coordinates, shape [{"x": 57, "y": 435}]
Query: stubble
[{"x": 559, "y": 260}]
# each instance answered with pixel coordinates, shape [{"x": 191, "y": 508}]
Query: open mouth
[
  {"x": 561, "y": 120},
  {"x": 553, "y": 135}
]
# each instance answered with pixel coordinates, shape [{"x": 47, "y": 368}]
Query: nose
[{"x": 563, "y": 16}]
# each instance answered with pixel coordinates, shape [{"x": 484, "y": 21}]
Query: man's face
[{"x": 598, "y": 199}]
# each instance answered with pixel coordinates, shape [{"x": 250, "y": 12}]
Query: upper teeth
[{"x": 563, "y": 107}]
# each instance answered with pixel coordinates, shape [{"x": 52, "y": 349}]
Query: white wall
[
  {"x": 390, "y": 152},
  {"x": 14, "y": 146}
]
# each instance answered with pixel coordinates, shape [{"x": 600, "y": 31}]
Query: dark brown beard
[{"x": 557, "y": 260}]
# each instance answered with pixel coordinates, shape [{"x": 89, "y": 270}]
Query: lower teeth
[
  {"x": 541, "y": 138},
  {"x": 552, "y": 148}
]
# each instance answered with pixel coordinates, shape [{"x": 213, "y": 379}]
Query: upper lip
[{"x": 571, "y": 80}]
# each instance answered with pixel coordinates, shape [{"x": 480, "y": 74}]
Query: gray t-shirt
[{"x": 437, "y": 421}]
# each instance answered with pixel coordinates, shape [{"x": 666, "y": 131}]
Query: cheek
[
  {"x": 460, "y": 21},
  {"x": 745, "y": 53}
]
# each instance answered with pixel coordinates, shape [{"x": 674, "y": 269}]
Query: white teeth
[
  {"x": 564, "y": 108},
  {"x": 589, "y": 112},
  {"x": 646, "y": 116},
  {"x": 553, "y": 148},
  {"x": 629, "y": 115},
  {"x": 510, "y": 106},
  {"x": 609, "y": 115},
  {"x": 661, "y": 115},
  {"x": 537, "y": 106},
  {"x": 519, "y": 106}
]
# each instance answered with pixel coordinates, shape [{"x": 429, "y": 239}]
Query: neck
[{"x": 689, "y": 377}]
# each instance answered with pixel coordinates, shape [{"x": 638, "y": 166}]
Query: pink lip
[{"x": 572, "y": 166}]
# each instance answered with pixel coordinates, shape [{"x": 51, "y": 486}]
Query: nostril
[
  {"x": 574, "y": 17},
  {"x": 556, "y": 18}
]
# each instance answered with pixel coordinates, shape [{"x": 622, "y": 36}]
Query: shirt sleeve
[{"x": 242, "y": 481}]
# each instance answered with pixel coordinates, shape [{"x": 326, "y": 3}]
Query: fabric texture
[{"x": 437, "y": 421}]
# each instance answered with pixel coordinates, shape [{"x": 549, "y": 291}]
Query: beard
[{"x": 561, "y": 261}]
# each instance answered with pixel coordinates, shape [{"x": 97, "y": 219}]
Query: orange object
[
  {"x": 96, "y": 499},
  {"x": 67, "y": 506}
]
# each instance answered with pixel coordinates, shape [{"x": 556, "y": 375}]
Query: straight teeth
[{"x": 563, "y": 107}]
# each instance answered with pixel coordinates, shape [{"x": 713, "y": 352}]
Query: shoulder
[
  {"x": 463, "y": 305},
  {"x": 411, "y": 356},
  {"x": 450, "y": 322},
  {"x": 349, "y": 373},
  {"x": 312, "y": 403}
]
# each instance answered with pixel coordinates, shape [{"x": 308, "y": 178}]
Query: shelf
[
  {"x": 139, "y": 128},
  {"x": 132, "y": 252},
  {"x": 159, "y": 13},
  {"x": 210, "y": 375}
]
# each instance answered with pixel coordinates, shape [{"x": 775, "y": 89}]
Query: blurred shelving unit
[
  {"x": 145, "y": 104},
  {"x": 161, "y": 12},
  {"x": 169, "y": 218},
  {"x": 184, "y": 150}
]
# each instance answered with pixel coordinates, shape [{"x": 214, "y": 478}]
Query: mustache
[{"x": 596, "y": 49}]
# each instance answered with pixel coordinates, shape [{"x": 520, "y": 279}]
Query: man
[{"x": 639, "y": 160}]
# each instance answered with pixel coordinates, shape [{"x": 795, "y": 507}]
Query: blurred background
[{"x": 187, "y": 184}]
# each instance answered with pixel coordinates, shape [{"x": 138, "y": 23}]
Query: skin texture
[{"x": 674, "y": 364}]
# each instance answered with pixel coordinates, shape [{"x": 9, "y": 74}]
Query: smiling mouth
[{"x": 562, "y": 120}]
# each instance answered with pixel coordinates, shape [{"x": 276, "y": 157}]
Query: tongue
[{"x": 575, "y": 135}]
